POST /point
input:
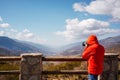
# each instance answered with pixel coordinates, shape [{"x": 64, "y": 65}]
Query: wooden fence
[{"x": 31, "y": 67}]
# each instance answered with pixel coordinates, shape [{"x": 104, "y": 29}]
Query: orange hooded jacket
[{"x": 94, "y": 54}]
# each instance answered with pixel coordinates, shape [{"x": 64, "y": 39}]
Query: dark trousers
[{"x": 92, "y": 77}]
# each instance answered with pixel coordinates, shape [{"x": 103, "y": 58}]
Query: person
[{"x": 94, "y": 54}]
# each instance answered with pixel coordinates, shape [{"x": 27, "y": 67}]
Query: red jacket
[{"x": 94, "y": 54}]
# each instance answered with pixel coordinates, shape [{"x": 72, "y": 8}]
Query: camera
[{"x": 85, "y": 44}]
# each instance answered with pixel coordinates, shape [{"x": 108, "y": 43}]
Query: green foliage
[
  {"x": 9, "y": 65},
  {"x": 65, "y": 77},
  {"x": 9, "y": 77},
  {"x": 64, "y": 66},
  {"x": 61, "y": 66},
  {"x": 4, "y": 66}
]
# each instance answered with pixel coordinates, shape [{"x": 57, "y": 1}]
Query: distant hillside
[
  {"x": 110, "y": 41},
  {"x": 46, "y": 50},
  {"x": 71, "y": 49},
  {"x": 10, "y": 46},
  {"x": 17, "y": 47},
  {"x": 114, "y": 49},
  {"x": 4, "y": 52},
  {"x": 111, "y": 44}
]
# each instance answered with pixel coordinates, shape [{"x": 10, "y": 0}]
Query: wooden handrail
[
  {"x": 65, "y": 72},
  {"x": 10, "y": 72},
  {"x": 49, "y": 72},
  {"x": 10, "y": 58},
  {"x": 14, "y": 58},
  {"x": 62, "y": 59}
]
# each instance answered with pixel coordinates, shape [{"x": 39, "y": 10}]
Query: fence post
[
  {"x": 31, "y": 66},
  {"x": 110, "y": 71}
]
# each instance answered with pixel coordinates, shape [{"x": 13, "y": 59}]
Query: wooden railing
[
  {"x": 68, "y": 59},
  {"x": 10, "y": 58},
  {"x": 37, "y": 60},
  {"x": 15, "y": 58}
]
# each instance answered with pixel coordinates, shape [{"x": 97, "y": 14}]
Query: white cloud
[
  {"x": 25, "y": 34},
  {"x": 29, "y": 35},
  {"x": 13, "y": 30},
  {"x": 76, "y": 30},
  {"x": 1, "y": 19},
  {"x": 26, "y": 30},
  {"x": 38, "y": 39},
  {"x": 79, "y": 6},
  {"x": 2, "y": 33},
  {"x": 102, "y": 7},
  {"x": 4, "y": 25}
]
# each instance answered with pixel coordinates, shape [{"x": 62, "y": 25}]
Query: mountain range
[
  {"x": 16, "y": 47},
  {"x": 111, "y": 44},
  {"x": 9, "y": 46}
]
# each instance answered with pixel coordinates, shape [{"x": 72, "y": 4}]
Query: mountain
[
  {"x": 10, "y": 46},
  {"x": 110, "y": 41},
  {"x": 17, "y": 47},
  {"x": 45, "y": 49},
  {"x": 4, "y": 52},
  {"x": 111, "y": 44},
  {"x": 71, "y": 49}
]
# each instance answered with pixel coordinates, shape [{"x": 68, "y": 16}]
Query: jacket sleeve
[{"x": 88, "y": 51}]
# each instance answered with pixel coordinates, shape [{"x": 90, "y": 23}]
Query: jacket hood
[{"x": 92, "y": 39}]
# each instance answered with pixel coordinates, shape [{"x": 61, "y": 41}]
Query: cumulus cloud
[
  {"x": 38, "y": 39},
  {"x": 13, "y": 30},
  {"x": 4, "y": 25},
  {"x": 25, "y": 34},
  {"x": 76, "y": 30},
  {"x": 26, "y": 30},
  {"x": 101, "y": 7},
  {"x": 2, "y": 33},
  {"x": 1, "y": 19}
]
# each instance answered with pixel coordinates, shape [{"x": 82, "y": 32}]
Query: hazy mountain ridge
[
  {"x": 71, "y": 49},
  {"x": 44, "y": 49},
  {"x": 16, "y": 47},
  {"x": 110, "y": 41},
  {"x": 111, "y": 44},
  {"x": 4, "y": 52},
  {"x": 10, "y": 46}
]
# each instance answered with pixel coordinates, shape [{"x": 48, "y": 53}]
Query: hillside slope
[
  {"x": 111, "y": 44},
  {"x": 17, "y": 47}
]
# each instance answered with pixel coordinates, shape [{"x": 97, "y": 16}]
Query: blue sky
[{"x": 59, "y": 22}]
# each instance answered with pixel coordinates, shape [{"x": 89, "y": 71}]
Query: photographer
[{"x": 94, "y": 54}]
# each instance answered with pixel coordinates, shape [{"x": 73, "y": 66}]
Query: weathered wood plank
[
  {"x": 66, "y": 72},
  {"x": 62, "y": 59},
  {"x": 10, "y": 72},
  {"x": 10, "y": 58}
]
